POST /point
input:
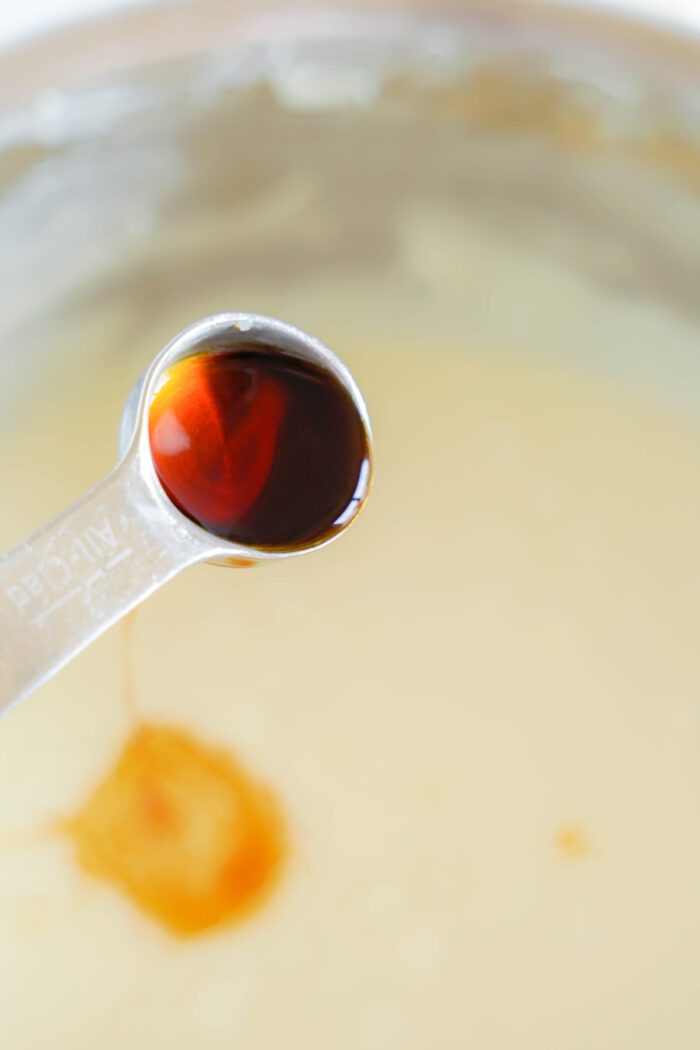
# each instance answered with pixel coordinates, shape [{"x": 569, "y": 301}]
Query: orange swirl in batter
[{"x": 183, "y": 830}]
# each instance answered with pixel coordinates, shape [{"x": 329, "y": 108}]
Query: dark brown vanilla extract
[{"x": 258, "y": 447}]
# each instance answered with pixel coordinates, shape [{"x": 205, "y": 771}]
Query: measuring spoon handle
[{"x": 83, "y": 571}]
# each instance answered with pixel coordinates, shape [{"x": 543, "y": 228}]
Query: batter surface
[{"x": 476, "y": 718}]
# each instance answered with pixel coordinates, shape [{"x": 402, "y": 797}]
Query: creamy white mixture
[{"x": 480, "y": 710}]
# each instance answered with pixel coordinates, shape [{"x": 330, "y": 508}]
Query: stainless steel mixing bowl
[
  {"x": 492, "y": 177},
  {"x": 169, "y": 158}
]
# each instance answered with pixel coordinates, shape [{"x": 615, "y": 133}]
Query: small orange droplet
[
  {"x": 572, "y": 842},
  {"x": 241, "y": 563},
  {"x": 183, "y": 830}
]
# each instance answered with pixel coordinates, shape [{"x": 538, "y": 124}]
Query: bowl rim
[{"x": 78, "y": 53}]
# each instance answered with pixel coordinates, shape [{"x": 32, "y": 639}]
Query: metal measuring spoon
[{"x": 83, "y": 571}]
